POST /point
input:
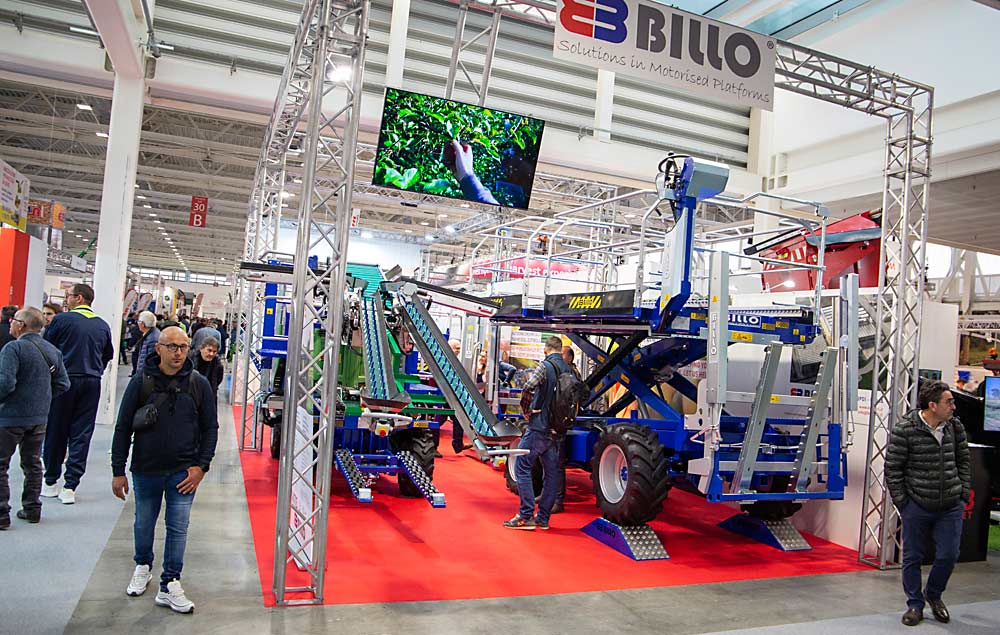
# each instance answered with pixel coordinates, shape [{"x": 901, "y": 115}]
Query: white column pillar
[
  {"x": 605, "y": 104},
  {"x": 115, "y": 226},
  {"x": 398, "y": 27}
]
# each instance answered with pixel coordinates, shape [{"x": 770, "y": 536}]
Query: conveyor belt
[
  {"x": 381, "y": 393},
  {"x": 471, "y": 409}
]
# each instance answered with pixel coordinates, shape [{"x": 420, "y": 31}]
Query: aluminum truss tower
[
  {"x": 906, "y": 106},
  {"x": 314, "y": 126}
]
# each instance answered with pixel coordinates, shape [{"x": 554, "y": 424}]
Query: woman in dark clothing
[{"x": 206, "y": 361}]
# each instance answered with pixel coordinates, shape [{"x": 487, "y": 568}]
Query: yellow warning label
[
  {"x": 782, "y": 325},
  {"x": 637, "y": 357},
  {"x": 270, "y": 311},
  {"x": 624, "y": 378},
  {"x": 775, "y": 398},
  {"x": 715, "y": 298},
  {"x": 698, "y": 316},
  {"x": 421, "y": 424},
  {"x": 802, "y": 338},
  {"x": 795, "y": 331},
  {"x": 585, "y": 302},
  {"x": 743, "y": 337},
  {"x": 767, "y": 327}
]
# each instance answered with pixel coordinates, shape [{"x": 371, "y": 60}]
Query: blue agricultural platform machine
[{"x": 704, "y": 364}]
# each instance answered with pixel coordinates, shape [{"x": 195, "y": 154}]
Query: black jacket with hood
[{"x": 184, "y": 435}]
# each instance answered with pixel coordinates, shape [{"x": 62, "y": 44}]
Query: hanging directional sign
[
  {"x": 658, "y": 43},
  {"x": 199, "y": 211}
]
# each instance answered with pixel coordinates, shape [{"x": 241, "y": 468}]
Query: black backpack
[
  {"x": 565, "y": 404},
  {"x": 188, "y": 386}
]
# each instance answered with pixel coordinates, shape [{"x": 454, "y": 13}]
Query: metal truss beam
[{"x": 907, "y": 108}]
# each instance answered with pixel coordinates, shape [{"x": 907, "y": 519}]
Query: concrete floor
[{"x": 221, "y": 578}]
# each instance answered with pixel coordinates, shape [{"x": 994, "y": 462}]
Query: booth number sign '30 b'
[{"x": 652, "y": 41}]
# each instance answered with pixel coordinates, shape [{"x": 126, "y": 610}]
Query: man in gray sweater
[
  {"x": 929, "y": 475},
  {"x": 31, "y": 374}
]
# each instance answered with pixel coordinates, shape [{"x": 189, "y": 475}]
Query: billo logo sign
[{"x": 652, "y": 41}]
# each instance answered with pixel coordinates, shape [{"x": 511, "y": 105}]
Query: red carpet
[{"x": 400, "y": 549}]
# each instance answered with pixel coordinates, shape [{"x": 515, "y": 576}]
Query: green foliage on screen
[{"x": 416, "y": 128}]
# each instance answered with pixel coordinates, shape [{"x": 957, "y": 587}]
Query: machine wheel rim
[{"x": 613, "y": 474}]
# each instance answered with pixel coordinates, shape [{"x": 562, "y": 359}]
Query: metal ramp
[
  {"x": 638, "y": 542},
  {"x": 409, "y": 464},
  {"x": 356, "y": 481},
  {"x": 471, "y": 409}
]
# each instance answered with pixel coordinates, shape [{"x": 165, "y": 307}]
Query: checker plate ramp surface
[
  {"x": 638, "y": 542},
  {"x": 780, "y": 534},
  {"x": 355, "y": 480},
  {"x": 409, "y": 464}
]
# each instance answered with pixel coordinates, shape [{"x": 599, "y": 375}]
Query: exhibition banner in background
[
  {"x": 686, "y": 51},
  {"x": 13, "y": 197}
]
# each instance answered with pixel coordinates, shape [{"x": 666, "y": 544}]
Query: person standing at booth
[{"x": 929, "y": 475}]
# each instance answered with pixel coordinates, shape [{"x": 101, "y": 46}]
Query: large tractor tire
[
  {"x": 420, "y": 443},
  {"x": 629, "y": 473},
  {"x": 509, "y": 476}
]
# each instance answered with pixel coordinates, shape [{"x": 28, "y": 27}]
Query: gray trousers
[{"x": 29, "y": 439}]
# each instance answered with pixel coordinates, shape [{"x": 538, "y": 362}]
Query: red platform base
[{"x": 401, "y": 549}]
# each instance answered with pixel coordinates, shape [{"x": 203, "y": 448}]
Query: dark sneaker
[
  {"x": 4, "y": 522},
  {"x": 939, "y": 610},
  {"x": 912, "y": 617},
  {"x": 527, "y": 524},
  {"x": 31, "y": 518},
  {"x": 544, "y": 526}
]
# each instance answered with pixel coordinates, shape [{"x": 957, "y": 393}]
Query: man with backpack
[
  {"x": 168, "y": 416},
  {"x": 549, "y": 401}
]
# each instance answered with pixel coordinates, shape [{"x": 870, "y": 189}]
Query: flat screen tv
[
  {"x": 991, "y": 422},
  {"x": 449, "y": 148}
]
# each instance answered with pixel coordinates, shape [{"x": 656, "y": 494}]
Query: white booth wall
[{"x": 840, "y": 521}]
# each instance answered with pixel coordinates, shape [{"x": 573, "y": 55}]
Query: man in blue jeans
[
  {"x": 172, "y": 448},
  {"x": 539, "y": 442},
  {"x": 929, "y": 475}
]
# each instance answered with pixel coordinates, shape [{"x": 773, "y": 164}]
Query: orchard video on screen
[{"x": 458, "y": 150}]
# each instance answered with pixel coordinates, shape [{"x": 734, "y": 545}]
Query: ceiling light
[
  {"x": 136, "y": 186},
  {"x": 84, "y": 107},
  {"x": 140, "y": 197},
  {"x": 339, "y": 74},
  {"x": 629, "y": 215},
  {"x": 151, "y": 213},
  {"x": 156, "y": 220},
  {"x": 408, "y": 231},
  {"x": 83, "y": 31},
  {"x": 165, "y": 46},
  {"x": 465, "y": 204},
  {"x": 284, "y": 204},
  {"x": 287, "y": 195},
  {"x": 102, "y": 135},
  {"x": 430, "y": 237},
  {"x": 450, "y": 229},
  {"x": 366, "y": 235},
  {"x": 296, "y": 180},
  {"x": 424, "y": 223},
  {"x": 147, "y": 206},
  {"x": 442, "y": 216}
]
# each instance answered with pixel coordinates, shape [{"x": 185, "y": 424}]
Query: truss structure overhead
[
  {"x": 906, "y": 107},
  {"x": 320, "y": 146}
]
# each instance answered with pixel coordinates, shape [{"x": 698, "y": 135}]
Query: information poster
[{"x": 13, "y": 197}]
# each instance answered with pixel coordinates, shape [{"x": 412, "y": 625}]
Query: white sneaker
[
  {"x": 140, "y": 579},
  {"x": 50, "y": 491},
  {"x": 174, "y": 598},
  {"x": 67, "y": 496}
]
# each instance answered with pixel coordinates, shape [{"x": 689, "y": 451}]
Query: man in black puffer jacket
[{"x": 929, "y": 475}]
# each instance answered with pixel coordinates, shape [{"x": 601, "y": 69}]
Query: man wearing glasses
[
  {"x": 85, "y": 342},
  {"x": 929, "y": 475},
  {"x": 168, "y": 417}
]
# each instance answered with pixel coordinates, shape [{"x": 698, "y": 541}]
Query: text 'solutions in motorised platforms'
[{"x": 652, "y": 41}]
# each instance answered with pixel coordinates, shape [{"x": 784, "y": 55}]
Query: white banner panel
[{"x": 652, "y": 41}]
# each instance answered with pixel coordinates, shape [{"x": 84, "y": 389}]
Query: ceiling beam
[{"x": 121, "y": 33}]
